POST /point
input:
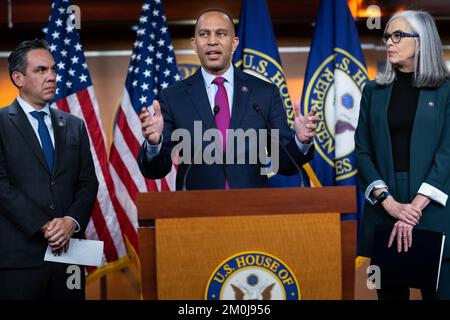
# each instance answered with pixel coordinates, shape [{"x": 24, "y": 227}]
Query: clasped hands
[
  {"x": 408, "y": 215},
  {"x": 58, "y": 233}
]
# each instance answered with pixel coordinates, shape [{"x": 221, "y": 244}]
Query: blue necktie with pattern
[{"x": 46, "y": 141}]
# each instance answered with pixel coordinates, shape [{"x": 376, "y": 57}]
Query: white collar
[
  {"x": 27, "y": 108},
  {"x": 209, "y": 78}
]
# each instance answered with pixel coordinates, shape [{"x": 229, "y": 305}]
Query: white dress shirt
[
  {"x": 27, "y": 108},
  {"x": 211, "y": 90}
]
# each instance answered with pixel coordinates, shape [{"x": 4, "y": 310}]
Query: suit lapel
[
  {"x": 23, "y": 126},
  {"x": 421, "y": 134},
  {"x": 59, "y": 131},
  {"x": 382, "y": 139},
  {"x": 199, "y": 98},
  {"x": 241, "y": 94}
]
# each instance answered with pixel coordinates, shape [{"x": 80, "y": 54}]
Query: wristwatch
[{"x": 383, "y": 196}]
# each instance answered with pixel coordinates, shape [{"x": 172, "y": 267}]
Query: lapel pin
[
  {"x": 244, "y": 89},
  {"x": 60, "y": 123},
  {"x": 431, "y": 104}
]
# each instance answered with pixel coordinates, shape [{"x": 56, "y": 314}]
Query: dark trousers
[{"x": 51, "y": 281}]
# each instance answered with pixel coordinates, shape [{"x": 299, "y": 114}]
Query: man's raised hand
[{"x": 152, "y": 124}]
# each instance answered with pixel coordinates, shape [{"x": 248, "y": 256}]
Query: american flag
[
  {"x": 75, "y": 94},
  {"x": 152, "y": 68}
]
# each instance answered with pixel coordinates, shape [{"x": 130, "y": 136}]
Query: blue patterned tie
[{"x": 46, "y": 141}]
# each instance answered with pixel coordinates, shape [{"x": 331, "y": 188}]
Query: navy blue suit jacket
[
  {"x": 30, "y": 194},
  {"x": 187, "y": 101}
]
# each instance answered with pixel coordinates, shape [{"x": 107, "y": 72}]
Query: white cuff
[
  {"x": 303, "y": 147},
  {"x": 152, "y": 150},
  {"x": 377, "y": 184},
  {"x": 433, "y": 193},
  {"x": 77, "y": 229}
]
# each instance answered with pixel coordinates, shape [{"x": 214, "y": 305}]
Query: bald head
[
  {"x": 214, "y": 41},
  {"x": 219, "y": 12}
]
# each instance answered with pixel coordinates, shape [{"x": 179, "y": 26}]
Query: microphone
[
  {"x": 258, "y": 109},
  {"x": 216, "y": 110}
]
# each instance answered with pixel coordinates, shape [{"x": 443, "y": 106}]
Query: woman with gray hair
[{"x": 403, "y": 143}]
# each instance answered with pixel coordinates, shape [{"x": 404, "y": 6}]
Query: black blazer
[
  {"x": 31, "y": 195},
  {"x": 187, "y": 101}
]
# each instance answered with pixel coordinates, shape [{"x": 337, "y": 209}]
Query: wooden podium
[{"x": 184, "y": 236}]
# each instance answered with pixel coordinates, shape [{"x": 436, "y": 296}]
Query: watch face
[{"x": 383, "y": 196}]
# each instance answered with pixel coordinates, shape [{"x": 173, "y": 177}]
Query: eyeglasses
[{"x": 397, "y": 36}]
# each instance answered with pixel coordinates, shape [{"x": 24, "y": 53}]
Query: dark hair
[
  {"x": 216, "y": 10},
  {"x": 17, "y": 60}
]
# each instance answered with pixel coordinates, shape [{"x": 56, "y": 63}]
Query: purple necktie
[{"x": 223, "y": 117}]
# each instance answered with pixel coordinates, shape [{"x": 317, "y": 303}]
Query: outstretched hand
[
  {"x": 152, "y": 124},
  {"x": 305, "y": 126}
]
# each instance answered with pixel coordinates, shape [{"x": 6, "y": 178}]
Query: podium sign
[{"x": 238, "y": 244}]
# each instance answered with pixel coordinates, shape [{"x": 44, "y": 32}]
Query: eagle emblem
[
  {"x": 252, "y": 275},
  {"x": 245, "y": 294}
]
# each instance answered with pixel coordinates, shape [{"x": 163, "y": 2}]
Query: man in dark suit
[
  {"x": 222, "y": 95},
  {"x": 47, "y": 182}
]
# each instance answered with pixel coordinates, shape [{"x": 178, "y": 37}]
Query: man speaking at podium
[{"x": 221, "y": 95}]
